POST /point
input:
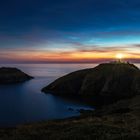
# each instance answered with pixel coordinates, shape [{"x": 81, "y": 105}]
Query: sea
[{"x": 25, "y": 103}]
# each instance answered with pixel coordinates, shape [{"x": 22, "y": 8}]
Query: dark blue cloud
[{"x": 68, "y": 15}]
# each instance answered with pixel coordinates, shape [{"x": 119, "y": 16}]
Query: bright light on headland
[{"x": 119, "y": 56}]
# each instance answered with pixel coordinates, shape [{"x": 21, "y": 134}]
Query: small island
[{"x": 12, "y": 75}]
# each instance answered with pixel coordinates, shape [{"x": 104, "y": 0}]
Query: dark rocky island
[
  {"x": 12, "y": 75},
  {"x": 106, "y": 83}
]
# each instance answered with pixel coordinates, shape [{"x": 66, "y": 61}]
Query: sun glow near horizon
[{"x": 120, "y": 56}]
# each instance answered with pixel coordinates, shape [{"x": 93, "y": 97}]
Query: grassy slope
[{"x": 110, "y": 123}]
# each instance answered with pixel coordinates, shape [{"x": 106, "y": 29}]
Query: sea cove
[{"x": 24, "y": 102}]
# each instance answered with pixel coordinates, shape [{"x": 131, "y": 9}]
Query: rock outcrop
[
  {"x": 12, "y": 75},
  {"x": 107, "y": 82}
]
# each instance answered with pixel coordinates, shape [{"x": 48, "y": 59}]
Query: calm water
[{"x": 23, "y": 103}]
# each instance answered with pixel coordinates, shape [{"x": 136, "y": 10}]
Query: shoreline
[{"x": 110, "y": 122}]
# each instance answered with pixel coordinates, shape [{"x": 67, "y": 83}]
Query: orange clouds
[{"x": 91, "y": 55}]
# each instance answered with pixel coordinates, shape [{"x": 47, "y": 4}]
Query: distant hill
[
  {"x": 12, "y": 75},
  {"x": 107, "y": 82}
]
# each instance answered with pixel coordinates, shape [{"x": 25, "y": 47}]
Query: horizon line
[{"x": 70, "y": 62}]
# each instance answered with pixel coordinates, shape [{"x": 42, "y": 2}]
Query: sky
[{"x": 68, "y": 31}]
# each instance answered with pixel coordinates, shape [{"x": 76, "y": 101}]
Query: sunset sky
[{"x": 42, "y": 31}]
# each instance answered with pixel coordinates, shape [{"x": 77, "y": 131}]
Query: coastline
[
  {"x": 110, "y": 122},
  {"x": 118, "y": 120}
]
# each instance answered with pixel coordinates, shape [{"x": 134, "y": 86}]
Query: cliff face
[
  {"x": 12, "y": 75},
  {"x": 108, "y": 81}
]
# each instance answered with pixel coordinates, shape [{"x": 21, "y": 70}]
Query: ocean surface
[{"x": 24, "y": 103}]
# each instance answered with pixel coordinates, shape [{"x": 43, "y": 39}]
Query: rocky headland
[{"x": 106, "y": 83}]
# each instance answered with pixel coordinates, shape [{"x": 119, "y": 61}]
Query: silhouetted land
[
  {"x": 106, "y": 83},
  {"x": 114, "y": 120},
  {"x": 12, "y": 75}
]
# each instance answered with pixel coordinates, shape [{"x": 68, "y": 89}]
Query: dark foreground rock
[
  {"x": 107, "y": 82},
  {"x": 12, "y": 75}
]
